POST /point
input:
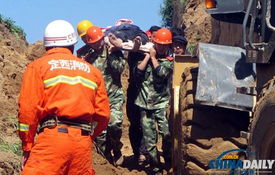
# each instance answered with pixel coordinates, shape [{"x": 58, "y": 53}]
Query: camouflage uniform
[
  {"x": 153, "y": 98},
  {"x": 111, "y": 66}
]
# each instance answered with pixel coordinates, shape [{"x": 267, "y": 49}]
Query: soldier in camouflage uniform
[
  {"x": 111, "y": 63},
  {"x": 152, "y": 75}
]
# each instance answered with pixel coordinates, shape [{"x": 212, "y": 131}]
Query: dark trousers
[{"x": 133, "y": 114}]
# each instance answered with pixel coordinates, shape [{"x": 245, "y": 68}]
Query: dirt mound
[
  {"x": 12, "y": 166},
  {"x": 197, "y": 23},
  {"x": 15, "y": 54}
]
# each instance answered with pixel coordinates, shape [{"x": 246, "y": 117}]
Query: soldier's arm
[
  {"x": 153, "y": 54},
  {"x": 84, "y": 51},
  {"x": 139, "y": 69},
  {"x": 142, "y": 65},
  {"x": 30, "y": 95}
]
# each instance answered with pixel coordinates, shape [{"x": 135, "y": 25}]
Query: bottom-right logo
[{"x": 229, "y": 163}]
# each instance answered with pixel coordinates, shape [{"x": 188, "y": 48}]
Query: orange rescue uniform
[{"x": 60, "y": 84}]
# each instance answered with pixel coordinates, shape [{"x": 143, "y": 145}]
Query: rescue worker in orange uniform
[{"x": 61, "y": 96}]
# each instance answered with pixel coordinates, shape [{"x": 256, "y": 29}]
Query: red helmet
[
  {"x": 94, "y": 34},
  {"x": 148, "y": 33},
  {"x": 163, "y": 36}
]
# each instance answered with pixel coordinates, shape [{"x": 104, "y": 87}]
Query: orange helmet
[
  {"x": 94, "y": 34},
  {"x": 163, "y": 36}
]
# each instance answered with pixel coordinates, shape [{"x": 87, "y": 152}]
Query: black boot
[{"x": 118, "y": 158}]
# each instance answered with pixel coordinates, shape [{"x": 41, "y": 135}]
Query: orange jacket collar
[{"x": 58, "y": 50}]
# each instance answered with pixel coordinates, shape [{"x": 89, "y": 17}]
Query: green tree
[
  {"x": 14, "y": 29},
  {"x": 172, "y": 11},
  {"x": 166, "y": 10}
]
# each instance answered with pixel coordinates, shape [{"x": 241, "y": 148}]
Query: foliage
[
  {"x": 166, "y": 10},
  {"x": 14, "y": 148},
  {"x": 192, "y": 47},
  {"x": 14, "y": 29},
  {"x": 183, "y": 3}
]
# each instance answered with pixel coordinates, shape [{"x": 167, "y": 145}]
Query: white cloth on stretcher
[{"x": 130, "y": 44}]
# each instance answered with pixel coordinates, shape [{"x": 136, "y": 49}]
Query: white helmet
[{"x": 59, "y": 33}]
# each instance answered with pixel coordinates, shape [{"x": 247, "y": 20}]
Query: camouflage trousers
[
  {"x": 109, "y": 140},
  {"x": 154, "y": 122}
]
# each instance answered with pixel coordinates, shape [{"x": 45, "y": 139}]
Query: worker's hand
[
  {"x": 147, "y": 55},
  {"x": 137, "y": 43},
  {"x": 26, "y": 155},
  {"x": 114, "y": 41},
  {"x": 153, "y": 52}
]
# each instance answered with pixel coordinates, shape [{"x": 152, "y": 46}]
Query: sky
[{"x": 34, "y": 15}]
